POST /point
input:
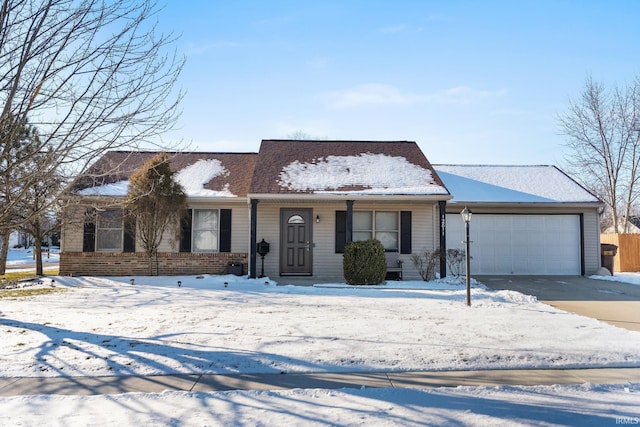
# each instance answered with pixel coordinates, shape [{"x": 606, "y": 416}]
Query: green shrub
[{"x": 364, "y": 263}]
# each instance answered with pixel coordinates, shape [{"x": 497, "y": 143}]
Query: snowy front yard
[
  {"x": 101, "y": 326},
  {"x": 107, "y": 326}
]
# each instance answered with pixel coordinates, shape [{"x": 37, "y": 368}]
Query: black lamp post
[
  {"x": 466, "y": 217},
  {"x": 262, "y": 248}
]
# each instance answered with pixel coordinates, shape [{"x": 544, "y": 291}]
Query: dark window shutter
[
  {"x": 185, "y": 231},
  {"x": 405, "y": 232},
  {"x": 341, "y": 231},
  {"x": 129, "y": 244},
  {"x": 225, "y": 230},
  {"x": 89, "y": 235}
]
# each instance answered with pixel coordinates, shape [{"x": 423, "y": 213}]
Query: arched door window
[{"x": 295, "y": 219}]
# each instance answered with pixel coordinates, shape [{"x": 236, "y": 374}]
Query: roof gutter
[
  {"x": 557, "y": 204},
  {"x": 327, "y": 197}
]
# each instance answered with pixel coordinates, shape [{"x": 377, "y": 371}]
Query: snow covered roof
[
  {"x": 345, "y": 168},
  {"x": 201, "y": 174},
  {"x": 512, "y": 184}
]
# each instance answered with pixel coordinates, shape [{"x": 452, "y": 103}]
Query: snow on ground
[
  {"x": 18, "y": 256},
  {"x": 580, "y": 405},
  {"x": 227, "y": 324},
  {"x": 630, "y": 278},
  {"x": 106, "y": 326}
]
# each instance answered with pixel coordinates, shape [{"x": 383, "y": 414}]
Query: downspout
[
  {"x": 253, "y": 239},
  {"x": 443, "y": 238}
]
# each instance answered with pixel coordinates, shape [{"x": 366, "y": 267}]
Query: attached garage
[
  {"x": 527, "y": 220},
  {"x": 520, "y": 244}
]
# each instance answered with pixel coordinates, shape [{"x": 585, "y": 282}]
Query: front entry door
[{"x": 295, "y": 242}]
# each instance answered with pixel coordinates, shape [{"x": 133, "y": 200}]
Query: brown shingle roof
[
  {"x": 276, "y": 154},
  {"x": 117, "y": 166}
]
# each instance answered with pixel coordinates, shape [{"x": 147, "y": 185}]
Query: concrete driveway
[{"x": 612, "y": 302}]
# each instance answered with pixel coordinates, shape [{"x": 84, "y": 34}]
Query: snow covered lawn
[
  {"x": 580, "y": 405},
  {"x": 107, "y": 326}
]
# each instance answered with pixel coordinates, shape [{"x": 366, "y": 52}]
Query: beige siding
[
  {"x": 72, "y": 230},
  {"x": 327, "y": 265},
  {"x": 239, "y": 226},
  {"x": 591, "y": 242}
]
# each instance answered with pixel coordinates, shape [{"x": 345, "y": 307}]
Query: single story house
[{"x": 307, "y": 199}]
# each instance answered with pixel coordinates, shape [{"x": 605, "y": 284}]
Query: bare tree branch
[
  {"x": 90, "y": 75},
  {"x": 602, "y": 131}
]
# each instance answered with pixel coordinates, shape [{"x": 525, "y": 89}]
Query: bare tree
[
  {"x": 91, "y": 75},
  {"x": 156, "y": 201},
  {"x": 603, "y": 137},
  {"x": 20, "y": 189},
  {"x": 35, "y": 212}
]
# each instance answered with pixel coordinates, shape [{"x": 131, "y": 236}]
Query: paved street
[{"x": 612, "y": 302}]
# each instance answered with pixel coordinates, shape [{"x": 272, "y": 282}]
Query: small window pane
[
  {"x": 359, "y": 236},
  {"x": 109, "y": 240},
  {"x": 362, "y": 221},
  {"x": 386, "y": 221},
  {"x": 111, "y": 218},
  {"x": 205, "y": 240},
  {"x": 205, "y": 219},
  {"x": 389, "y": 240}
]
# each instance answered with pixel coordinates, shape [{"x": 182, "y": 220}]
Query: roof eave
[
  {"x": 528, "y": 204},
  {"x": 346, "y": 196}
]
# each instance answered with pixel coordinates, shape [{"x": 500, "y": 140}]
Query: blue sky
[{"x": 470, "y": 81}]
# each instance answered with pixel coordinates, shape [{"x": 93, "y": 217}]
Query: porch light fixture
[
  {"x": 466, "y": 217},
  {"x": 317, "y": 219}
]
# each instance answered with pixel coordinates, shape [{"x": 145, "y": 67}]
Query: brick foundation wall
[{"x": 137, "y": 264}]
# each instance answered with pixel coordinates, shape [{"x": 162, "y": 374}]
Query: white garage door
[{"x": 519, "y": 244}]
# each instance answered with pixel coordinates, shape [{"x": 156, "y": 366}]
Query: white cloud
[
  {"x": 369, "y": 94},
  {"x": 463, "y": 95},
  {"x": 375, "y": 94}
]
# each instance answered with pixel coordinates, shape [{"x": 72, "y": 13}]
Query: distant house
[{"x": 307, "y": 199}]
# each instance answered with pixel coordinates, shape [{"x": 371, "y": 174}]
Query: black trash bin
[
  {"x": 235, "y": 268},
  {"x": 607, "y": 254}
]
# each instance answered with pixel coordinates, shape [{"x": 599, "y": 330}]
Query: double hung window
[
  {"x": 109, "y": 230},
  {"x": 205, "y": 230},
  {"x": 383, "y": 226}
]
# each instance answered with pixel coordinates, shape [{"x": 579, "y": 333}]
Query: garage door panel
[{"x": 520, "y": 244}]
